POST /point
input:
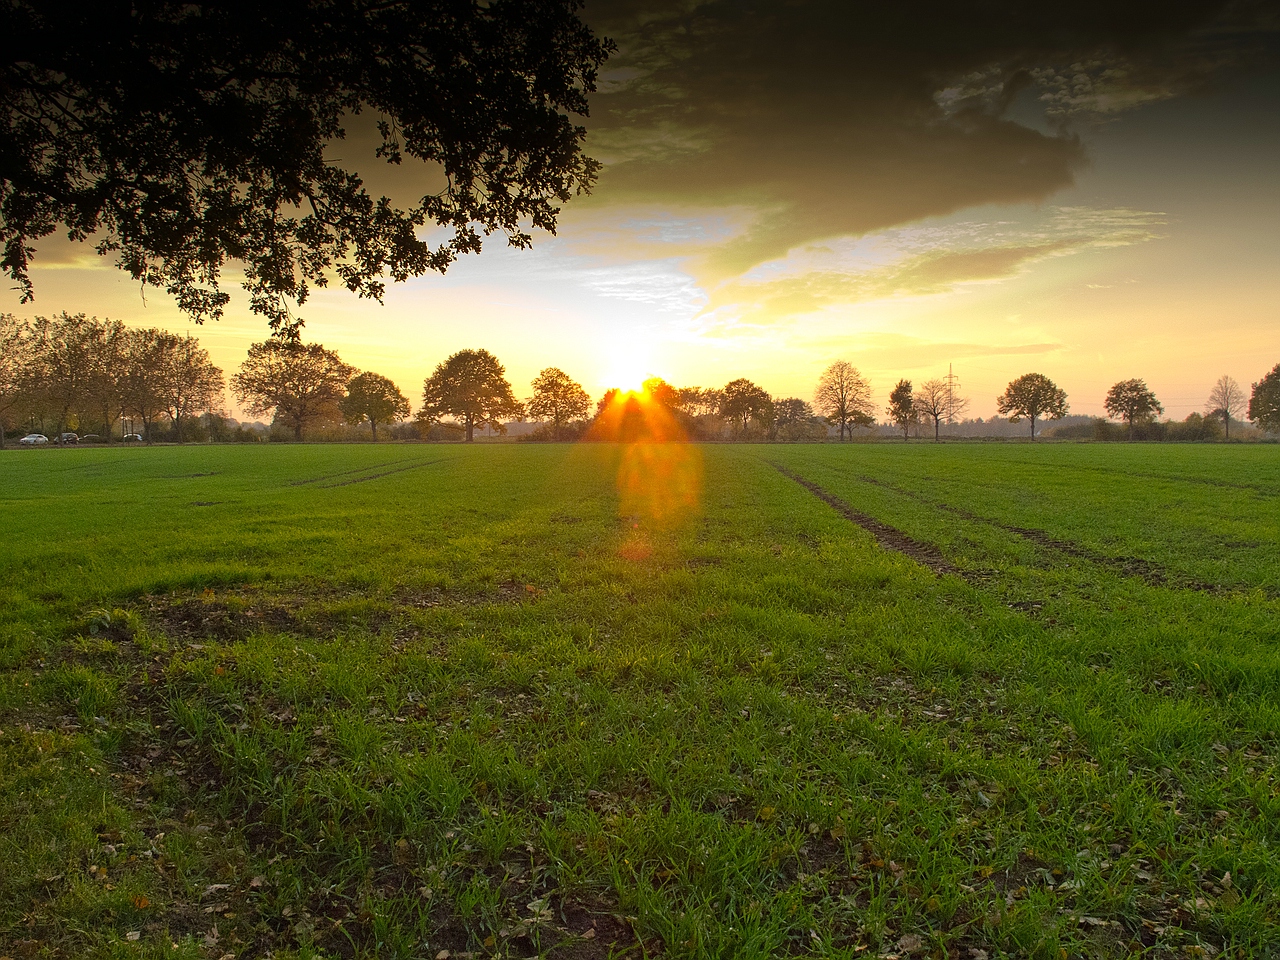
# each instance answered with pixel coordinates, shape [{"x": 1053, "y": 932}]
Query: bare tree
[
  {"x": 1226, "y": 400},
  {"x": 843, "y": 396},
  {"x": 936, "y": 401}
]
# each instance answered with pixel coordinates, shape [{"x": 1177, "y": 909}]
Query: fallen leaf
[
  {"x": 133, "y": 936},
  {"x": 911, "y": 943}
]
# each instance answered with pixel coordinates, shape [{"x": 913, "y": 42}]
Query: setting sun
[{"x": 628, "y": 370}]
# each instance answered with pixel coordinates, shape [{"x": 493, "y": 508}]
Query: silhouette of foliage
[{"x": 180, "y": 136}]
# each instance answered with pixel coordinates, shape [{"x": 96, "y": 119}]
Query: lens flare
[{"x": 659, "y": 473}]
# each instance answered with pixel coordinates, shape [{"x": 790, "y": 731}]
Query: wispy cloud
[{"x": 926, "y": 260}]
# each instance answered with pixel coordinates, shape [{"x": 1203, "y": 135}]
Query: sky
[{"x": 1091, "y": 192}]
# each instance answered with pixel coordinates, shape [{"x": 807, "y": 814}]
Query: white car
[{"x": 32, "y": 439}]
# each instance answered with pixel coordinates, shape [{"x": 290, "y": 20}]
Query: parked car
[
  {"x": 132, "y": 438},
  {"x": 68, "y": 438},
  {"x": 91, "y": 438},
  {"x": 32, "y": 439}
]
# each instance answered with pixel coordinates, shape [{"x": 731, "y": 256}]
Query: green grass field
[{"x": 962, "y": 701}]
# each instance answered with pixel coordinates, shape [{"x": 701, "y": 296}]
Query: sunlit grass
[{"x": 484, "y": 705}]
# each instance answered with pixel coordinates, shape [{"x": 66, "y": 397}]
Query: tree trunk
[
  {"x": 1033, "y": 427},
  {"x": 297, "y": 431},
  {"x": 937, "y": 427},
  {"x": 1, "y": 434},
  {"x": 471, "y": 430},
  {"x": 1226, "y": 424},
  {"x": 373, "y": 424}
]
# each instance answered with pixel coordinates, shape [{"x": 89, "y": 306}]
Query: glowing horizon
[{"x": 1117, "y": 223}]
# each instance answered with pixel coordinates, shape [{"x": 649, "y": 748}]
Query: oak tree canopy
[
  {"x": 178, "y": 136},
  {"x": 470, "y": 386}
]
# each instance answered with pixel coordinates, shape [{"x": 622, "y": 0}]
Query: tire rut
[
  {"x": 346, "y": 473},
  {"x": 376, "y": 476},
  {"x": 887, "y": 537},
  {"x": 1152, "y": 573}
]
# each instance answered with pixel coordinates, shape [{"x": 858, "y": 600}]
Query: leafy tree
[
  {"x": 936, "y": 400},
  {"x": 741, "y": 401},
  {"x": 189, "y": 383},
  {"x": 15, "y": 366},
  {"x": 659, "y": 391},
  {"x": 142, "y": 388},
  {"x": 558, "y": 398},
  {"x": 301, "y": 382},
  {"x": 604, "y": 403},
  {"x": 185, "y": 135},
  {"x": 470, "y": 386},
  {"x": 105, "y": 388},
  {"x": 843, "y": 396},
  {"x": 1034, "y": 396},
  {"x": 902, "y": 408},
  {"x": 1133, "y": 402},
  {"x": 1264, "y": 401},
  {"x": 1225, "y": 401},
  {"x": 375, "y": 398},
  {"x": 794, "y": 419},
  {"x": 697, "y": 402},
  {"x": 70, "y": 364}
]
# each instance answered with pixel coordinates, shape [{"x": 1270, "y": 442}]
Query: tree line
[
  {"x": 73, "y": 370},
  {"x": 77, "y": 371}
]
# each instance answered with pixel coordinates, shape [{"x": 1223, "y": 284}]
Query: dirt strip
[
  {"x": 1146, "y": 570},
  {"x": 347, "y": 473},
  {"x": 889, "y": 538},
  {"x": 376, "y": 476}
]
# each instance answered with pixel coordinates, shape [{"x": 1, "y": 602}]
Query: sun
[{"x": 627, "y": 373}]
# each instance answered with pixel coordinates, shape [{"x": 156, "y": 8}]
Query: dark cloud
[{"x": 828, "y": 118}]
